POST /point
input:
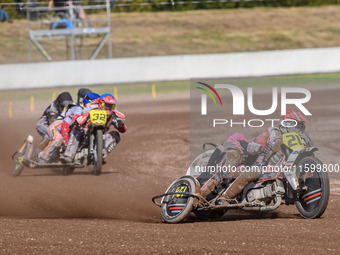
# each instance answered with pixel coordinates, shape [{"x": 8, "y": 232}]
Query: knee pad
[{"x": 113, "y": 136}]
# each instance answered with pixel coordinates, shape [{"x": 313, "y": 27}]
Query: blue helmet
[
  {"x": 107, "y": 94},
  {"x": 89, "y": 97}
]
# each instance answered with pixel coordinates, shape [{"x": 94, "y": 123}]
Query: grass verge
[{"x": 193, "y": 32}]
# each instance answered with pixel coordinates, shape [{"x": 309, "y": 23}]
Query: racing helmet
[
  {"x": 293, "y": 122},
  {"x": 63, "y": 100},
  {"x": 81, "y": 94},
  {"x": 107, "y": 102},
  {"x": 51, "y": 115},
  {"x": 90, "y": 97}
]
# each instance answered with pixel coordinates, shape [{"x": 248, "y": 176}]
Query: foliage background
[{"x": 180, "y": 5}]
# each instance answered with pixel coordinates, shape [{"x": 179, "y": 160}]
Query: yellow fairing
[
  {"x": 293, "y": 140},
  {"x": 98, "y": 117}
]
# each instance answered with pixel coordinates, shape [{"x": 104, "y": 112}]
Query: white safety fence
[{"x": 169, "y": 68}]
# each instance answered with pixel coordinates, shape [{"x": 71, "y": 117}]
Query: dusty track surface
[{"x": 45, "y": 212}]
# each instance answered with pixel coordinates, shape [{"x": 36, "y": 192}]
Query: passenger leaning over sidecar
[
  {"x": 52, "y": 112},
  {"x": 56, "y": 110},
  {"x": 266, "y": 147},
  {"x": 58, "y": 131}
]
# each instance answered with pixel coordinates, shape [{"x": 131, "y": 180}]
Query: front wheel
[
  {"x": 98, "y": 152},
  {"x": 19, "y": 158},
  {"x": 312, "y": 202},
  {"x": 176, "y": 207}
]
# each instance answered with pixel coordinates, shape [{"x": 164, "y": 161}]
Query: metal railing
[{"x": 70, "y": 23}]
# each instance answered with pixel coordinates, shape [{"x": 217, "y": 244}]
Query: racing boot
[
  {"x": 65, "y": 159},
  {"x": 210, "y": 179},
  {"x": 71, "y": 148},
  {"x": 43, "y": 143},
  {"x": 111, "y": 141},
  {"x": 210, "y": 185},
  {"x": 232, "y": 157},
  {"x": 39, "y": 158},
  {"x": 109, "y": 148},
  {"x": 241, "y": 179},
  {"x": 238, "y": 185}
]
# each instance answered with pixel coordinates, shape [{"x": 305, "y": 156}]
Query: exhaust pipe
[{"x": 265, "y": 208}]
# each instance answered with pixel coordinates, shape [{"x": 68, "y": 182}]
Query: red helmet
[
  {"x": 293, "y": 121},
  {"x": 295, "y": 115},
  {"x": 107, "y": 102}
]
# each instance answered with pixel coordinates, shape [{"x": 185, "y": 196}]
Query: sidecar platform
[
  {"x": 34, "y": 164},
  {"x": 204, "y": 205}
]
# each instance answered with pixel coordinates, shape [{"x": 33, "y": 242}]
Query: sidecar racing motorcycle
[
  {"x": 299, "y": 180},
  {"x": 90, "y": 150}
]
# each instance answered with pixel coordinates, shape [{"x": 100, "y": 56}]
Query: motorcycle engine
[
  {"x": 264, "y": 194},
  {"x": 81, "y": 156}
]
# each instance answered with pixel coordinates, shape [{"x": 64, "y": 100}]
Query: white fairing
[
  {"x": 290, "y": 173},
  {"x": 197, "y": 165}
]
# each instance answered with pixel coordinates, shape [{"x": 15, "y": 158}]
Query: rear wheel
[
  {"x": 313, "y": 202},
  {"x": 98, "y": 153},
  {"x": 177, "y": 207},
  {"x": 19, "y": 159}
]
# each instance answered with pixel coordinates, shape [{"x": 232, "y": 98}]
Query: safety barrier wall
[{"x": 169, "y": 68}]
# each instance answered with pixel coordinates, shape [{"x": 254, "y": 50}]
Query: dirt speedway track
[{"x": 45, "y": 212}]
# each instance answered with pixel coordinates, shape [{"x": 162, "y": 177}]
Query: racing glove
[
  {"x": 120, "y": 126},
  {"x": 80, "y": 119},
  {"x": 122, "y": 129}
]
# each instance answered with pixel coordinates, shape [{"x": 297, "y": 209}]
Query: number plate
[
  {"x": 98, "y": 117},
  {"x": 293, "y": 140},
  {"x": 180, "y": 189}
]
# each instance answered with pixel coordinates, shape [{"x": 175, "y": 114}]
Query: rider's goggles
[
  {"x": 293, "y": 125},
  {"x": 107, "y": 106},
  {"x": 290, "y": 123}
]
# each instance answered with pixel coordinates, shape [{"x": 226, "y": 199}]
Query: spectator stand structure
[{"x": 43, "y": 24}]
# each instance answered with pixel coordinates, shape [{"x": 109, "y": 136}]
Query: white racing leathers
[
  {"x": 58, "y": 132},
  {"x": 44, "y": 122}
]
